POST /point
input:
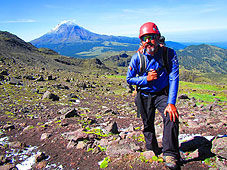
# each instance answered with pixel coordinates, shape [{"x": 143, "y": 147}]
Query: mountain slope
[
  {"x": 69, "y": 32},
  {"x": 205, "y": 58},
  {"x": 14, "y": 50},
  {"x": 69, "y": 39}
]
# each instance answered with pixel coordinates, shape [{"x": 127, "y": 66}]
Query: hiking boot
[
  {"x": 171, "y": 162},
  {"x": 158, "y": 151}
]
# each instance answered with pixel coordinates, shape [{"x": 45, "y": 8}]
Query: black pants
[{"x": 146, "y": 106}]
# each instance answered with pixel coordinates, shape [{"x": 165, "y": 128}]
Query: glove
[
  {"x": 152, "y": 75},
  {"x": 172, "y": 110}
]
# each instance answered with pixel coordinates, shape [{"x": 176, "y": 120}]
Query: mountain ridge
[
  {"x": 71, "y": 32},
  {"x": 14, "y": 50},
  {"x": 70, "y": 39}
]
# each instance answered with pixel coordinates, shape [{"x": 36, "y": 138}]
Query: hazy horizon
[{"x": 178, "y": 20}]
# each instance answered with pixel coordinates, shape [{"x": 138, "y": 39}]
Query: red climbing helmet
[{"x": 149, "y": 28}]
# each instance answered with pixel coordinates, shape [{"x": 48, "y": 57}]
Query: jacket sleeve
[
  {"x": 133, "y": 70},
  {"x": 173, "y": 78}
]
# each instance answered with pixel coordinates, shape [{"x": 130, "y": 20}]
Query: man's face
[{"x": 150, "y": 42}]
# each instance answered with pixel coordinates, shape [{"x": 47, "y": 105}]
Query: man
[{"x": 157, "y": 89}]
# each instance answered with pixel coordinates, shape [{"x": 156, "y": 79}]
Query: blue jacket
[{"x": 164, "y": 79}]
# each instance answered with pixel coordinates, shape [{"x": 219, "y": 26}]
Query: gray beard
[{"x": 150, "y": 50}]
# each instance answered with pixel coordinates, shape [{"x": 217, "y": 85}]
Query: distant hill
[
  {"x": 217, "y": 44},
  {"x": 70, "y": 39},
  {"x": 205, "y": 58},
  {"x": 199, "y": 58},
  {"x": 14, "y": 50}
]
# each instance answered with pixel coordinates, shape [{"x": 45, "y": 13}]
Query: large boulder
[
  {"x": 219, "y": 146},
  {"x": 122, "y": 147}
]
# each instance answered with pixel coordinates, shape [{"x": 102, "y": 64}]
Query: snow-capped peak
[{"x": 65, "y": 22}]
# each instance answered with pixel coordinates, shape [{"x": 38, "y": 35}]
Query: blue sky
[{"x": 178, "y": 20}]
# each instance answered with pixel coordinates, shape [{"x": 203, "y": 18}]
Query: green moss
[
  {"x": 98, "y": 132},
  {"x": 143, "y": 159},
  {"x": 105, "y": 162},
  {"x": 9, "y": 113},
  {"x": 58, "y": 121},
  {"x": 203, "y": 92},
  {"x": 198, "y": 86},
  {"x": 31, "y": 127}
]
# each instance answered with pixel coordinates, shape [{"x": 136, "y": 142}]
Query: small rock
[
  {"x": 221, "y": 163},
  {"x": 194, "y": 154},
  {"x": 123, "y": 135},
  {"x": 4, "y": 72},
  {"x": 9, "y": 127},
  {"x": 45, "y": 136},
  {"x": 50, "y": 95},
  {"x": 41, "y": 165},
  {"x": 50, "y": 77},
  {"x": 131, "y": 128},
  {"x": 121, "y": 148},
  {"x": 183, "y": 96},
  {"x": 14, "y": 81},
  {"x": 8, "y": 167},
  {"x": 76, "y": 135},
  {"x": 148, "y": 154},
  {"x": 72, "y": 95},
  {"x": 60, "y": 86},
  {"x": 40, "y": 78},
  {"x": 2, "y": 77},
  {"x": 112, "y": 127},
  {"x": 71, "y": 144},
  {"x": 209, "y": 107},
  {"x": 3, "y": 160},
  {"x": 29, "y": 77},
  {"x": 40, "y": 156},
  {"x": 81, "y": 145},
  {"x": 68, "y": 112},
  {"x": 192, "y": 123},
  {"x": 35, "y": 91},
  {"x": 16, "y": 144},
  {"x": 103, "y": 142}
]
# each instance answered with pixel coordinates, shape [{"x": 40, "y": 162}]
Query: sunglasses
[{"x": 149, "y": 37}]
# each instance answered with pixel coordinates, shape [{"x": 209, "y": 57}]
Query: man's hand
[
  {"x": 172, "y": 110},
  {"x": 134, "y": 93},
  {"x": 152, "y": 75}
]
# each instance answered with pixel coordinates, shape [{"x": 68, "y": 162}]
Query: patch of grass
[
  {"x": 103, "y": 149},
  {"x": 204, "y": 92},
  {"x": 58, "y": 121},
  {"x": 143, "y": 159},
  {"x": 31, "y": 127},
  {"x": 115, "y": 76},
  {"x": 211, "y": 162},
  {"x": 90, "y": 149},
  {"x": 98, "y": 132},
  {"x": 9, "y": 113},
  {"x": 189, "y": 85},
  {"x": 137, "y": 128},
  {"x": 105, "y": 162}
]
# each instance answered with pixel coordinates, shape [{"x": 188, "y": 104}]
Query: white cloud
[{"x": 20, "y": 21}]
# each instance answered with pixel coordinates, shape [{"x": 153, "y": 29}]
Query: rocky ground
[{"x": 63, "y": 120}]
